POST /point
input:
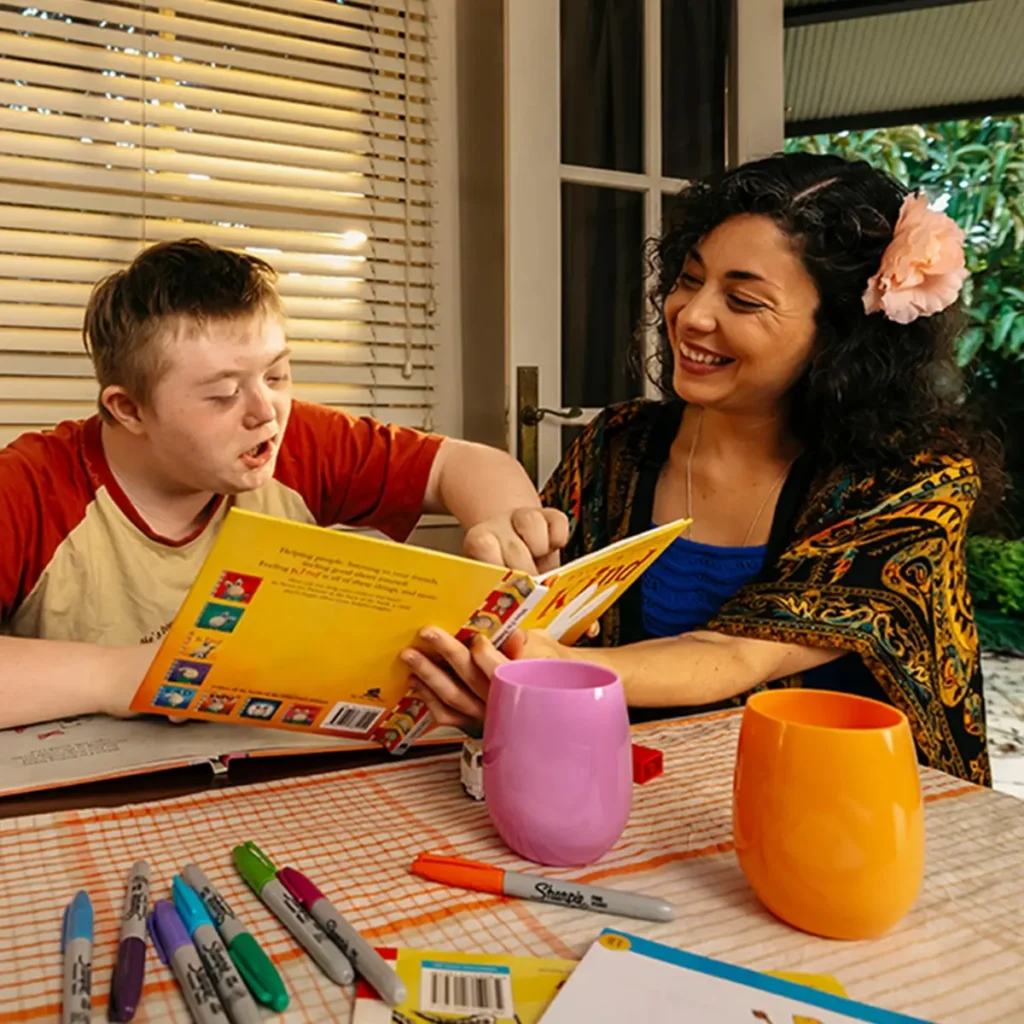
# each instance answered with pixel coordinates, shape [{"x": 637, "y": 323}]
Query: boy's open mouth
[{"x": 258, "y": 454}]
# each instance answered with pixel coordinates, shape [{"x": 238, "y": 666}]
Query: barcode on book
[
  {"x": 358, "y": 718},
  {"x": 459, "y": 988}
]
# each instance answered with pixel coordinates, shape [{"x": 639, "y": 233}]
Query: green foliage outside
[
  {"x": 995, "y": 567},
  {"x": 976, "y": 168}
]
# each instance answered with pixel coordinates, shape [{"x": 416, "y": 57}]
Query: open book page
[
  {"x": 75, "y": 750},
  {"x": 578, "y": 594}
]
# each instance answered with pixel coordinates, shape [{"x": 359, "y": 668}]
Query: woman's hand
[{"x": 453, "y": 679}]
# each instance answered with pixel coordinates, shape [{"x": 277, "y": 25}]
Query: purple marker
[
  {"x": 174, "y": 947},
  {"x": 130, "y": 969}
]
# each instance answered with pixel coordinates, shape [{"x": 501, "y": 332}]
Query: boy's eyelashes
[{"x": 273, "y": 379}]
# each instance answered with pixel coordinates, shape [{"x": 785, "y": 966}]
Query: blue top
[
  {"x": 687, "y": 586},
  {"x": 689, "y": 583}
]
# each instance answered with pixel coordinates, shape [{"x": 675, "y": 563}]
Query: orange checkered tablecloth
[{"x": 958, "y": 956}]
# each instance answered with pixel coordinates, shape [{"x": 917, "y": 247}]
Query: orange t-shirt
[{"x": 77, "y": 562}]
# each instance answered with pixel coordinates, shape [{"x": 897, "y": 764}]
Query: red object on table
[{"x": 647, "y": 764}]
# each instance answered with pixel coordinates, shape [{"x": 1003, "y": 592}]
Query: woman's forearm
[{"x": 702, "y": 667}]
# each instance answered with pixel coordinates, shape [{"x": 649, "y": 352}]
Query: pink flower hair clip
[{"x": 922, "y": 268}]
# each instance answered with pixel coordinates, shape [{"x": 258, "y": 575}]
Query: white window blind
[{"x": 299, "y": 130}]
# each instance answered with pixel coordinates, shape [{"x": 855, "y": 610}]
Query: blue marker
[
  {"x": 233, "y": 994},
  {"x": 76, "y": 944}
]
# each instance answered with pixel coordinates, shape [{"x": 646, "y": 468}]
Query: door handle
[{"x": 531, "y": 415}]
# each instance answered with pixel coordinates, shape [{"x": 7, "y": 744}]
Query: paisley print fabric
[{"x": 871, "y": 564}]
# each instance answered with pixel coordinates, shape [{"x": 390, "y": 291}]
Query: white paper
[{"x": 611, "y": 986}]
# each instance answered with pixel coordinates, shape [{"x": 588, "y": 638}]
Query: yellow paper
[{"x": 456, "y": 986}]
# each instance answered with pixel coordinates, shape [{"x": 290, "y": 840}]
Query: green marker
[
  {"x": 253, "y": 964},
  {"x": 259, "y": 872}
]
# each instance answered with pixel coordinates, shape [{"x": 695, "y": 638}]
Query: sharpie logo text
[
  {"x": 352, "y": 955},
  {"x": 216, "y": 907},
  {"x": 217, "y": 963},
  {"x": 565, "y": 897},
  {"x": 200, "y": 984}
]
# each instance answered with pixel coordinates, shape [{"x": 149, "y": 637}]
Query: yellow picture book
[
  {"x": 300, "y": 627},
  {"x": 446, "y": 988}
]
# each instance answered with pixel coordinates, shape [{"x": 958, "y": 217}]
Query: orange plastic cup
[{"x": 827, "y": 812}]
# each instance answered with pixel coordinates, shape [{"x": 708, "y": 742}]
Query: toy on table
[
  {"x": 471, "y": 768},
  {"x": 648, "y": 764}
]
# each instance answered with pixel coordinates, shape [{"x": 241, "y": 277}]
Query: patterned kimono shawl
[{"x": 873, "y": 565}]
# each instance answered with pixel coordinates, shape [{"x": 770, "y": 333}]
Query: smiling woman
[{"x": 815, "y": 434}]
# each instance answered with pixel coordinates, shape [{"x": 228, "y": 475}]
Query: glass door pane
[
  {"x": 602, "y": 289},
  {"x": 601, "y": 71},
  {"x": 694, "y": 46}
]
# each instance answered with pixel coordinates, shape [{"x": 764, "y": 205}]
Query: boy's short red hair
[{"x": 188, "y": 280}]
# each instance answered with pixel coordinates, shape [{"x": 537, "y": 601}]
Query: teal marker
[
  {"x": 253, "y": 964},
  {"x": 230, "y": 987}
]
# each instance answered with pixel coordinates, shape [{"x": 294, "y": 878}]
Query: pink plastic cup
[{"x": 557, "y": 768}]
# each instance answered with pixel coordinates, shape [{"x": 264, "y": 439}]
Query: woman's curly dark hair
[{"x": 876, "y": 392}]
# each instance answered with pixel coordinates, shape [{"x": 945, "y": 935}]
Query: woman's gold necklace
[{"x": 689, "y": 486}]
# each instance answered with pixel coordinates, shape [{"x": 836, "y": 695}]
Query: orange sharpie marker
[{"x": 468, "y": 874}]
